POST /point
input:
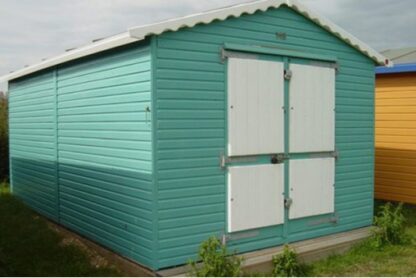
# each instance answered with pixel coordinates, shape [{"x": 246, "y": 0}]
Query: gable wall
[{"x": 190, "y": 131}]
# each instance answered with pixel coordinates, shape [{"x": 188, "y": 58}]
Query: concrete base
[{"x": 308, "y": 251}]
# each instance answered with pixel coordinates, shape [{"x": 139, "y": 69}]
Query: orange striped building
[{"x": 395, "y": 130}]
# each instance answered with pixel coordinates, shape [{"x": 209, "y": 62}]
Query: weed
[
  {"x": 389, "y": 226},
  {"x": 215, "y": 261},
  {"x": 287, "y": 264}
]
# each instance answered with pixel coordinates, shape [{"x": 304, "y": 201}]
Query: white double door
[{"x": 257, "y": 120}]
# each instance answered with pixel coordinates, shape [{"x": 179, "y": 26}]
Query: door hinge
[
  {"x": 223, "y": 54},
  {"x": 287, "y": 74},
  {"x": 336, "y": 67},
  {"x": 228, "y": 237},
  {"x": 288, "y": 202},
  {"x": 335, "y": 154},
  {"x": 223, "y": 161}
]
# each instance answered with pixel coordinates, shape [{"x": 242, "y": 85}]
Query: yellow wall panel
[{"x": 395, "y": 159}]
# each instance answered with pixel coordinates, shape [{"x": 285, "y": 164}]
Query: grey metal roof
[{"x": 401, "y": 55}]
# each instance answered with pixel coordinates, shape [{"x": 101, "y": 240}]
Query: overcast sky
[{"x": 31, "y": 30}]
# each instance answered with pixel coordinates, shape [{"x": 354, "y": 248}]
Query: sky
[{"x": 32, "y": 30}]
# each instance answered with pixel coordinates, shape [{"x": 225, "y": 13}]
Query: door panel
[
  {"x": 312, "y": 109},
  {"x": 255, "y": 107},
  {"x": 311, "y": 186},
  {"x": 255, "y": 196}
]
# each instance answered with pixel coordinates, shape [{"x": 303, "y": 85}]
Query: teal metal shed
[{"x": 254, "y": 123}]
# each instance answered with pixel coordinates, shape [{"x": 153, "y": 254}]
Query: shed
[
  {"x": 395, "y": 177},
  {"x": 254, "y": 123}
]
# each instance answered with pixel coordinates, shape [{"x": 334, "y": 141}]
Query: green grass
[
  {"x": 365, "y": 260},
  {"x": 29, "y": 247}
]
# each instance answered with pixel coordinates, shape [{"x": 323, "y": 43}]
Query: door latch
[
  {"x": 288, "y": 202},
  {"x": 287, "y": 74},
  {"x": 278, "y": 158}
]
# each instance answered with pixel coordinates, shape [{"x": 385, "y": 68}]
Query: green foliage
[
  {"x": 389, "y": 226},
  {"x": 215, "y": 261},
  {"x": 4, "y": 188},
  {"x": 4, "y": 138},
  {"x": 287, "y": 264}
]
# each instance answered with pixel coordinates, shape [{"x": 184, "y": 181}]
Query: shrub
[
  {"x": 389, "y": 226},
  {"x": 215, "y": 261},
  {"x": 287, "y": 264}
]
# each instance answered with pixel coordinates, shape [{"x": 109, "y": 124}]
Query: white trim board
[{"x": 141, "y": 32}]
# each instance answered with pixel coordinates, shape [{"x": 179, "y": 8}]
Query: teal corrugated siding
[
  {"x": 32, "y": 142},
  {"x": 191, "y": 119},
  {"x": 103, "y": 137}
]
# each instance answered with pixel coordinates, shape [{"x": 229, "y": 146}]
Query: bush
[
  {"x": 389, "y": 226},
  {"x": 287, "y": 264},
  {"x": 215, "y": 261}
]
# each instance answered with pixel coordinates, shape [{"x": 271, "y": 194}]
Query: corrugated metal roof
[
  {"x": 401, "y": 55},
  {"x": 404, "y": 60},
  {"x": 139, "y": 33}
]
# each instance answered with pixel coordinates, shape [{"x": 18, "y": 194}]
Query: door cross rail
[
  {"x": 279, "y": 158},
  {"x": 225, "y": 160}
]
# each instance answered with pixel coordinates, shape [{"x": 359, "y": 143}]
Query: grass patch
[
  {"x": 365, "y": 260},
  {"x": 29, "y": 247},
  {"x": 4, "y": 188}
]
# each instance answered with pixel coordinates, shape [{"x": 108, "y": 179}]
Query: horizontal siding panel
[
  {"x": 141, "y": 68},
  {"x": 121, "y": 89},
  {"x": 33, "y": 144},
  {"x": 186, "y": 94},
  {"x": 139, "y": 214},
  {"x": 118, "y": 144},
  {"x": 113, "y": 99},
  {"x": 110, "y": 60},
  {"x": 133, "y": 77},
  {"x": 102, "y": 134},
  {"x": 93, "y": 109}
]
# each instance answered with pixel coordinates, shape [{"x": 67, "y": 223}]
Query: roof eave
[{"x": 87, "y": 50}]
